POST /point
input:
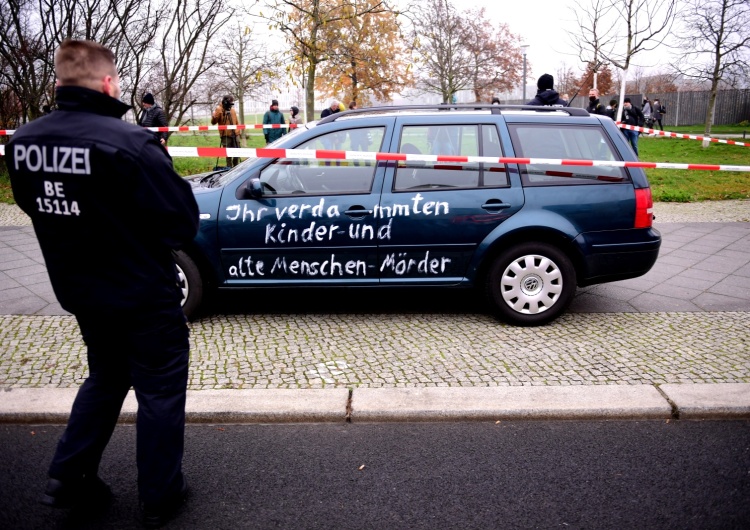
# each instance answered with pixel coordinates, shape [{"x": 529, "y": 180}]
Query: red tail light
[{"x": 644, "y": 208}]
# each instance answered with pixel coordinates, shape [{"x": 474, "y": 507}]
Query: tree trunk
[
  {"x": 622, "y": 94},
  {"x": 711, "y": 106},
  {"x": 310, "y": 93}
]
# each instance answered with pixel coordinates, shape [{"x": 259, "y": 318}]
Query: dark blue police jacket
[{"x": 107, "y": 206}]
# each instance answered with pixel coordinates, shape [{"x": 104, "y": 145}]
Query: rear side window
[
  {"x": 569, "y": 142},
  {"x": 449, "y": 140}
]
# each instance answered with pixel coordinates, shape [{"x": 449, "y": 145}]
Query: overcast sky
[{"x": 542, "y": 24}]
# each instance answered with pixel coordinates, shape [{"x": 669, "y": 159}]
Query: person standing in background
[
  {"x": 594, "y": 106},
  {"x": 152, "y": 115},
  {"x": 294, "y": 116},
  {"x": 332, "y": 109},
  {"x": 631, "y": 115},
  {"x": 273, "y": 117},
  {"x": 225, "y": 115},
  {"x": 659, "y": 112},
  {"x": 546, "y": 95}
]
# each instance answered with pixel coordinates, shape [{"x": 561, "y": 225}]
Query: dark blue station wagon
[{"x": 525, "y": 234}]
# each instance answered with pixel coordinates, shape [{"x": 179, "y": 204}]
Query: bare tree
[
  {"x": 245, "y": 66},
  {"x": 438, "y": 33},
  {"x": 27, "y": 74},
  {"x": 716, "y": 44},
  {"x": 186, "y": 51},
  {"x": 38, "y": 27},
  {"x": 618, "y": 30},
  {"x": 566, "y": 81}
]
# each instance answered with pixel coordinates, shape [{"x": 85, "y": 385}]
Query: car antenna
[{"x": 585, "y": 81}]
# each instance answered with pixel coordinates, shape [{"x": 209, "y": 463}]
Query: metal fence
[{"x": 689, "y": 108}]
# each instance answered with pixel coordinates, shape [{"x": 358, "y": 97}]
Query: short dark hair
[{"x": 626, "y": 100}]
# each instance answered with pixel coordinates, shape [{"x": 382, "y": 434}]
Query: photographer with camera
[{"x": 225, "y": 115}]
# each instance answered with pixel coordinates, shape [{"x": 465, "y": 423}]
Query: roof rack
[{"x": 494, "y": 108}]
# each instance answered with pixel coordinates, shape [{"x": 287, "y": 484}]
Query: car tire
[
  {"x": 531, "y": 284},
  {"x": 190, "y": 282}
]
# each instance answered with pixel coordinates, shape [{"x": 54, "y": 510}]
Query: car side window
[
  {"x": 570, "y": 142},
  {"x": 449, "y": 140},
  {"x": 326, "y": 176}
]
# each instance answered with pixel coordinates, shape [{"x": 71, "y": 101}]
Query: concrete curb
[
  {"x": 509, "y": 403},
  {"x": 603, "y": 402},
  {"x": 706, "y": 401}
]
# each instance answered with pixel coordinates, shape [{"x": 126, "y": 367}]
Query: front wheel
[
  {"x": 531, "y": 284},
  {"x": 190, "y": 283}
]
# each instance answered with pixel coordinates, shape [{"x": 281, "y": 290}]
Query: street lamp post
[{"x": 524, "y": 47}]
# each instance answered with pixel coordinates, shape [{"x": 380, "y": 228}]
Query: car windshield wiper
[{"x": 211, "y": 179}]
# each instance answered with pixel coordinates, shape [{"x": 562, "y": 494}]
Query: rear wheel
[
  {"x": 531, "y": 284},
  {"x": 190, "y": 282}
]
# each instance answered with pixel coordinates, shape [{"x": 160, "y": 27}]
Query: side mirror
[{"x": 253, "y": 189}]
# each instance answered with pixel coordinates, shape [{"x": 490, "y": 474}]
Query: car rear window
[
  {"x": 569, "y": 142},
  {"x": 449, "y": 140}
]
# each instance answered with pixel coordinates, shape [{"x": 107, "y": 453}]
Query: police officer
[{"x": 108, "y": 209}]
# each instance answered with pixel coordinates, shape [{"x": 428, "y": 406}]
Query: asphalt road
[{"x": 632, "y": 474}]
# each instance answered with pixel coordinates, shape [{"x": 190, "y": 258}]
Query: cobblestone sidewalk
[
  {"x": 412, "y": 350},
  {"x": 429, "y": 349}
]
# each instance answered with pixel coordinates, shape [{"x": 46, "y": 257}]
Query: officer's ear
[{"x": 110, "y": 86}]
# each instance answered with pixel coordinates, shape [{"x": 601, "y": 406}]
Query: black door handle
[
  {"x": 495, "y": 205},
  {"x": 357, "y": 211}
]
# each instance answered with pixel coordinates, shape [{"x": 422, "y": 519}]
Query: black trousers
[
  {"x": 151, "y": 354},
  {"x": 231, "y": 141}
]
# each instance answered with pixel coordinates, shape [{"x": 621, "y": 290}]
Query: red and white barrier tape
[
  {"x": 311, "y": 154},
  {"x": 188, "y": 128},
  {"x": 677, "y": 135},
  {"x": 308, "y": 154}
]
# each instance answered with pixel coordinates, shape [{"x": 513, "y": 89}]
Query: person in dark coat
[
  {"x": 595, "y": 107},
  {"x": 153, "y": 115},
  {"x": 273, "y": 117},
  {"x": 611, "y": 109},
  {"x": 546, "y": 95},
  {"x": 659, "y": 112},
  {"x": 108, "y": 211},
  {"x": 631, "y": 115},
  {"x": 333, "y": 109}
]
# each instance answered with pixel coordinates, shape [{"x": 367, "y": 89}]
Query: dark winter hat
[
  {"x": 275, "y": 102},
  {"x": 626, "y": 100},
  {"x": 545, "y": 82},
  {"x": 148, "y": 97},
  {"x": 294, "y": 109}
]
